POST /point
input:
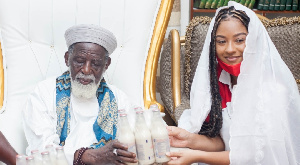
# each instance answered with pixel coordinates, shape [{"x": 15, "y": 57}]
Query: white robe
[{"x": 40, "y": 118}]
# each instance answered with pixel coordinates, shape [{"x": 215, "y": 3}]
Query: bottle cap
[
  {"x": 138, "y": 112},
  {"x": 49, "y": 146},
  {"x": 59, "y": 148},
  {"x": 123, "y": 114},
  {"x": 153, "y": 106},
  {"x": 29, "y": 158},
  {"x": 20, "y": 156},
  {"x": 45, "y": 153},
  {"x": 138, "y": 109},
  {"x": 121, "y": 110},
  {"x": 34, "y": 151}
]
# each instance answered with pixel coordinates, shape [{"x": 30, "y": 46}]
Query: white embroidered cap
[{"x": 91, "y": 33}]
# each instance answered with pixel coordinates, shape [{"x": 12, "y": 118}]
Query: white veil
[{"x": 265, "y": 126}]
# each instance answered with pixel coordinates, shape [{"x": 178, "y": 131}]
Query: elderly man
[
  {"x": 7, "y": 152},
  {"x": 78, "y": 109}
]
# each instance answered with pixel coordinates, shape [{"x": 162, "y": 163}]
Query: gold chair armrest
[{"x": 175, "y": 52}]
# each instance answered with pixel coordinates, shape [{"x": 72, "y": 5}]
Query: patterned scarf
[{"x": 105, "y": 126}]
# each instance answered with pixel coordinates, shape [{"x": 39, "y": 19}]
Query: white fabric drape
[{"x": 265, "y": 103}]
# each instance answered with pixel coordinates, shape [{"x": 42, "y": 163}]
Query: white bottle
[
  {"x": 120, "y": 111},
  {"x": 30, "y": 160},
  {"x": 52, "y": 153},
  {"x": 143, "y": 140},
  {"x": 136, "y": 109},
  {"x": 60, "y": 156},
  {"x": 20, "y": 160},
  {"x": 46, "y": 158},
  {"x": 126, "y": 135},
  {"x": 160, "y": 136},
  {"x": 37, "y": 156}
]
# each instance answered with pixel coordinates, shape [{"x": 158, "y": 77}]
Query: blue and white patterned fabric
[{"x": 105, "y": 126}]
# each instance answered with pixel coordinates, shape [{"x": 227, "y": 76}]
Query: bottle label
[
  {"x": 161, "y": 146},
  {"x": 145, "y": 150},
  {"x": 131, "y": 147}
]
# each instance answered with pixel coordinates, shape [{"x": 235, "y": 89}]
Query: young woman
[{"x": 245, "y": 104}]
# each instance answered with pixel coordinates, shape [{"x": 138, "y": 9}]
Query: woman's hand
[
  {"x": 184, "y": 139},
  {"x": 189, "y": 156},
  {"x": 179, "y": 137},
  {"x": 183, "y": 157}
]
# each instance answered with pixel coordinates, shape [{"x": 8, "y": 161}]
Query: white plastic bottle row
[
  {"x": 50, "y": 156},
  {"x": 151, "y": 144}
]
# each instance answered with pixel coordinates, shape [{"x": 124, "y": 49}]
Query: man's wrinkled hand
[{"x": 113, "y": 152}]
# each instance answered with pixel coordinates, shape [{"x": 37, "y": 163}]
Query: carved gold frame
[{"x": 161, "y": 23}]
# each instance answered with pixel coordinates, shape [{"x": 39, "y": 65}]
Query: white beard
[{"x": 84, "y": 91}]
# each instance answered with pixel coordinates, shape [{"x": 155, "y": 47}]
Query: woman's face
[{"x": 230, "y": 41}]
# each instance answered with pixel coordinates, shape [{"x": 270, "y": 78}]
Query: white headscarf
[{"x": 265, "y": 126}]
